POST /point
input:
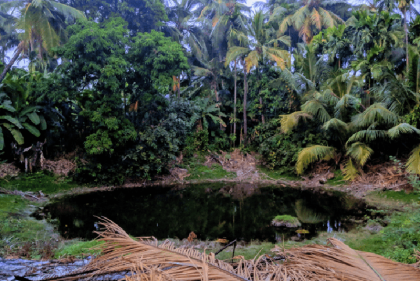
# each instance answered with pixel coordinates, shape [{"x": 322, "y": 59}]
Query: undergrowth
[{"x": 398, "y": 240}]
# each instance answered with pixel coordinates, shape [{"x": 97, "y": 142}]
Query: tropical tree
[
  {"x": 403, "y": 5},
  {"x": 312, "y": 17},
  {"x": 43, "y": 23},
  {"x": 183, "y": 27},
  {"x": 262, "y": 48}
]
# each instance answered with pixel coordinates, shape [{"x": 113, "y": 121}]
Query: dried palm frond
[
  {"x": 144, "y": 260},
  {"x": 122, "y": 253}
]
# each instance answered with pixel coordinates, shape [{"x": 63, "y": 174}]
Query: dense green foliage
[{"x": 132, "y": 85}]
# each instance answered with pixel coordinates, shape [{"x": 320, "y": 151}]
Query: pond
[{"x": 241, "y": 211}]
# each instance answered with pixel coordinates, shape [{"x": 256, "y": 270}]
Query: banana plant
[{"x": 17, "y": 116}]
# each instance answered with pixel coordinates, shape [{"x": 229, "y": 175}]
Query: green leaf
[
  {"x": 34, "y": 118},
  {"x": 7, "y": 105},
  {"x": 43, "y": 122},
  {"x": 12, "y": 120},
  {"x": 28, "y": 109},
  {"x": 34, "y": 131},
  {"x": 17, "y": 135}
]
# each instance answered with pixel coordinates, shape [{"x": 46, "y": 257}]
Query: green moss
[
  {"x": 79, "y": 249},
  {"x": 201, "y": 172},
  {"x": 286, "y": 220},
  {"x": 35, "y": 182},
  {"x": 397, "y": 195}
]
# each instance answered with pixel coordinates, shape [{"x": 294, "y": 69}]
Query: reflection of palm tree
[{"x": 307, "y": 215}]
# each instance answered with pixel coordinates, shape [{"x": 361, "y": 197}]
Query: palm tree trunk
[
  {"x": 245, "y": 94},
  {"x": 234, "y": 102},
  {"x": 12, "y": 61},
  {"x": 406, "y": 36}
]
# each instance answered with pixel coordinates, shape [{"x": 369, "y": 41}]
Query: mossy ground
[
  {"x": 47, "y": 183},
  {"x": 79, "y": 249},
  {"x": 201, "y": 172}
]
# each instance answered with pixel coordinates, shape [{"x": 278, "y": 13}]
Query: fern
[
  {"x": 413, "y": 163},
  {"x": 290, "y": 121},
  {"x": 359, "y": 152},
  {"x": 312, "y": 154},
  {"x": 350, "y": 171}
]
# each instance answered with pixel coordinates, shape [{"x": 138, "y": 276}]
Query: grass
[
  {"x": 39, "y": 181},
  {"x": 19, "y": 233},
  {"x": 201, "y": 172},
  {"x": 79, "y": 249},
  {"x": 250, "y": 251},
  {"x": 338, "y": 179},
  {"x": 277, "y": 175}
]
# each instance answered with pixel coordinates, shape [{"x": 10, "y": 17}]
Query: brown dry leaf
[{"x": 191, "y": 237}]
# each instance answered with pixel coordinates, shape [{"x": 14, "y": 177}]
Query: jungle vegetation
[{"x": 130, "y": 85}]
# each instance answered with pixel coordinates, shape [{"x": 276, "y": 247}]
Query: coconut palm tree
[
  {"x": 311, "y": 17},
  {"x": 43, "y": 22},
  {"x": 183, "y": 27},
  {"x": 262, "y": 47}
]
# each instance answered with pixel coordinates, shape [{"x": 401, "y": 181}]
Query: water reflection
[{"x": 233, "y": 212}]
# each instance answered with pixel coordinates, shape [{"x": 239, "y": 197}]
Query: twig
[{"x": 233, "y": 242}]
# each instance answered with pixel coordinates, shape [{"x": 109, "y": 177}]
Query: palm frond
[
  {"x": 367, "y": 136},
  {"x": 350, "y": 171},
  {"x": 234, "y": 53},
  {"x": 288, "y": 21},
  {"x": 413, "y": 163},
  {"x": 336, "y": 125},
  {"x": 402, "y": 128},
  {"x": 316, "y": 19},
  {"x": 317, "y": 109},
  {"x": 360, "y": 152},
  {"x": 313, "y": 154},
  {"x": 281, "y": 57},
  {"x": 252, "y": 60},
  {"x": 290, "y": 121},
  {"x": 375, "y": 113}
]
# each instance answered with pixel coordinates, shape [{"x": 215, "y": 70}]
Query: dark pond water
[{"x": 240, "y": 211}]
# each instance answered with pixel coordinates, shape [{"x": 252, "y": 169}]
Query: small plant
[{"x": 398, "y": 165}]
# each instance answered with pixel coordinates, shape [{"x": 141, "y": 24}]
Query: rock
[
  {"x": 374, "y": 228},
  {"x": 323, "y": 181}
]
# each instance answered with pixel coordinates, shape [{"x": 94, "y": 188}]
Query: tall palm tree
[
  {"x": 183, "y": 27},
  {"x": 43, "y": 22},
  {"x": 262, "y": 47},
  {"x": 403, "y": 5},
  {"x": 311, "y": 18}
]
